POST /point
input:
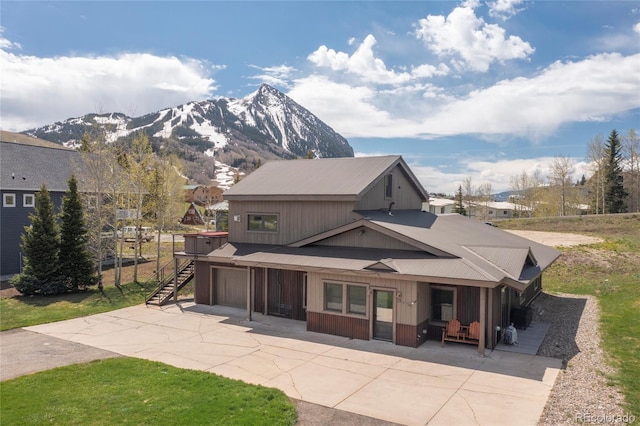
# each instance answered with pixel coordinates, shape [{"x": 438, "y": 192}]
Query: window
[
  {"x": 357, "y": 300},
  {"x": 443, "y": 303},
  {"x": 28, "y": 200},
  {"x": 388, "y": 186},
  {"x": 263, "y": 222},
  {"x": 333, "y": 297},
  {"x": 8, "y": 200}
]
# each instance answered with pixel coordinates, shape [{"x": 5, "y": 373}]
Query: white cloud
[
  {"x": 38, "y": 91},
  {"x": 504, "y": 9},
  {"x": 592, "y": 89},
  {"x": 364, "y": 64},
  {"x": 496, "y": 173},
  {"x": 348, "y": 109},
  {"x": 274, "y": 76},
  {"x": 589, "y": 90},
  {"x": 636, "y": 27},
  {"x": 464, "y": 34}
]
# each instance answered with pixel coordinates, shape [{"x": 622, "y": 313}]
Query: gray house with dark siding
[
  {"x": 343, "y": 244},
  {"x": 25, "y": 164}
]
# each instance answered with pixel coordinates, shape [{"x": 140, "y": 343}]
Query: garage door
[{"x": 231, "y": 287}]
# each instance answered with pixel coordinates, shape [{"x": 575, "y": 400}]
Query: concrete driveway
[{"x": 427, "y": 385}]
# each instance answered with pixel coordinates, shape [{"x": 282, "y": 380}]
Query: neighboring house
[
  {"x": 25, "y": 164},
  {"x": 499, "y": 210},
  {"x": 192, "y": 216},
  {"x": 441, "y": 205},
  {"x": 343, "y": 244},
  {"x": 202, "y": 195}
]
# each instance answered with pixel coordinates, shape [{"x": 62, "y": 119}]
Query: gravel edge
[{"x": 583, "y": 392}]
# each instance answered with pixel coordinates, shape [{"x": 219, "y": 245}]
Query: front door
[{"x": 383, "y": 315}]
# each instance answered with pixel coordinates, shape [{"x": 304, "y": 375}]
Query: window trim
[
  {"x": 277, "y": 218},
  {"x": 5, "y": 196},
  {"x": 345, "y": 309},
  {"x": 454, "y": 289},
  {"x": 348, "y": 301},
  {"x": 325, "y": 303},
  {"x": 24, "y": 200}
]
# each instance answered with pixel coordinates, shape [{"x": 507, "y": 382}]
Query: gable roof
[
  {"x": 321, "y": 179},
  {"x": 448, "y": 249},
  {"x": 25, "y": 167}
]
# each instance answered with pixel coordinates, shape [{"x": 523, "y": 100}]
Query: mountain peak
[{"x": 264, "y": 125}]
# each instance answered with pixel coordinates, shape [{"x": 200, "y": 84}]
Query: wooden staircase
[{"x": 164, "y": 292}]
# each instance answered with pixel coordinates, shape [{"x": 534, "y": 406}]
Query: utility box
[{"x": 521, "y": 317}]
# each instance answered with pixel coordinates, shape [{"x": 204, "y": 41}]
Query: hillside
[{"x": 214, "y": 134}]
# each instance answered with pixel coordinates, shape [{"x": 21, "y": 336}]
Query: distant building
[
  {"x": 440, "y": 206},
  {"x": 192, "y": 216}
]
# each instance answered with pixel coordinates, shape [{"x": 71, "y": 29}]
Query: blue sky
[{"x": 461, "y": 89}]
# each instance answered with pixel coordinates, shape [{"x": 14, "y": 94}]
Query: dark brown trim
[{"x": 355, "y": 328}]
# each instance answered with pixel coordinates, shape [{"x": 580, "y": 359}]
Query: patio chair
[
  {"x": 452, "y": 332},
  {"x": 474, "y": 331}
]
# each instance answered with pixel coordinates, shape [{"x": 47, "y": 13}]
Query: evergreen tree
[
  {"x": 40, "y": 247},
  {"x": 614, "y": 190},
  {"x": 76, "y": 263},
  {"x": 459, "y": 207}
]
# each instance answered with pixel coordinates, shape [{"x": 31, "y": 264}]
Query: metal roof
[
  {"x": 326, "y": 178},
  {"x": 473, "y": 252}
]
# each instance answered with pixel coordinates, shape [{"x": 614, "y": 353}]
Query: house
[
  {"x": 202, "y": 195},
  {"x": 493, "y": 210},
  {"x": 25, "y": 164},
  {"x": 440, "y": 205},
  {"x": 192, "y": 216},
  {"x": 343, "y": 244}
]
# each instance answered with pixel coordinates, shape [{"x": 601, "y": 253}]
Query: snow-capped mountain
[{"x": 240, "y": 133}]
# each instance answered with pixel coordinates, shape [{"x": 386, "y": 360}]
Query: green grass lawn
[
  {"x": 131, "y": 391},
  {"x": 21, "y": 311},
  {"x": 610, "y": 272}
]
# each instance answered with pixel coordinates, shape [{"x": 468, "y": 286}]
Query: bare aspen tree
[
  {"x": 631, "y": 149},
  {"x": 139, "y": 162},
  {"x": 99, "y": 172},
  {"x": 561, "y": 180},
  {"x": 469, "y": 195},
  {"x": 596, "y": 157}
]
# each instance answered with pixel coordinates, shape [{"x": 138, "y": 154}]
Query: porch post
[
  {"x": 489, "y": 329},
  {"x": 249, "y": 293},
  {"x": 483, "y": 319},
  {"x": 266, "y": 290}
]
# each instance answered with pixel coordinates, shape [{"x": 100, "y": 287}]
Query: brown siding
[
  {"x": 410, "y": 335},
  {"x": 532, "y": 290},
  {"x": 286, "y": 293},
  {"x": 202, "y": 287},
  {"x": 405, "y": 195},
  {"x": 468, "y": 309},
  {"x": 354, "y": 328},
  {"x": 296, "y": 220},
  {"x": 230, "y": 287},
  {"x": 258, "y": 296},
  {"x": 369, "y": 239}
]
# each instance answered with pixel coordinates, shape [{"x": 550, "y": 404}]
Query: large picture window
[
  {"x": 263, "y": 222},
  {"x": 443, "y": 303}
]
